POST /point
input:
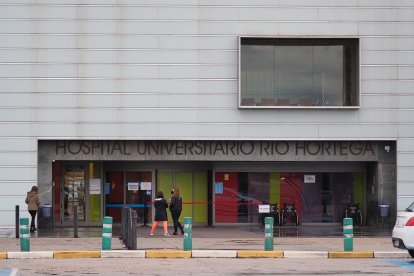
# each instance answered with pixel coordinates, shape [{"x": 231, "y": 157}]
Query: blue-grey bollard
[
  {"x": 24, "y": 235},
  {"x": 107, "y": 233},
  {"x": 268, "y": 244},
  {"x": 188, "y": 243},
  {"x": 348, "y": 235}
]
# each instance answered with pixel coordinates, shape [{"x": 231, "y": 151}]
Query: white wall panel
[
  {"x": 154, "y": 27},
  {"x": 201, "y": 13},
  {"x": 75, "y": 86},
  {"x": 159, "y": 56},
  {"x": 17, "y": 55},
  {"x": 37, "y": 11},
  {"x": 253, "y": 13},
  {"x": 406, "y": 131},
  {"x": 277, "y": 131},
  {"x": 387, "y": 86},
  {"x": 381, "y": 101},
  {"x": 405, "y": 159},
  {"x": 38, "y": 70},
  {"x": 18, "y": 144},
  {"x": 19, "y": 189},
  {"x": 400, "y": 43},
  {"x": 379, "y": 72},
  {"x": 388, "y": 28},
  {"x": 233, "y": 27},
  {"x": 18, "y": 173},
  {"x": 360, "y": 14},
  {"x": 405, "y": 174},
  {"x": 405, "y": 188},
  {"x": 18, "y": 158},
  {"x": 384, "y": 116},
  {"x": 116, "y": 41},
  {"x": 317, "y": 116},
  {"x": 63, "y": 56},
  {"x": 38, "y": 41},
  {"x": 197, "y": 131},
  {"x": 318, "y": 28},
  {"x": 405, "y": 145},
  {"x": 17, "y": 85},
  {"x": 365, "y": 131},
  {"x": 387, "y": 58},
  {"x": 116, "y": 12},
  {"x": 202, "y": 43},
  {"x": 37, "y": 130},
  {"x": 117, "y": 71},
  {"x": 406, "y": 72},
  {"x": 404, "y": 201}
]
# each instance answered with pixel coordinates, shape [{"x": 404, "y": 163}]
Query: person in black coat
[
  {"x": 176, "y": 206},
  {"x": 160, "y": 205}
]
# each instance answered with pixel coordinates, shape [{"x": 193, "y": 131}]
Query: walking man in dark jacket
[{"x": 176, "y": 206}]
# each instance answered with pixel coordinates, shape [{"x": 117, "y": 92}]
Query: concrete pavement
[{"x": 221, "y": 241}]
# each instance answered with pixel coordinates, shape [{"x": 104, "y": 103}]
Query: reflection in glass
[
  {"x": 307, "y": 72},
  {"x": 74, "y": 193}
]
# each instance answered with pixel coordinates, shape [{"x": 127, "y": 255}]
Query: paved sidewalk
[{"x": 204, "y": 238}]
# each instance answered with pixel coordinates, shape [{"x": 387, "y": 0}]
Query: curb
[
  {"x": 351, "y": 254},
  {"x": 259, "y": 254},
  {"x": 167, "y": 254},
  {"x": 123, "y": 254},
  {"x": 306, "y": 254},
  {"x": 76, "y": 254},
  {"x": 30, "y": 255},
  {"x": 214, "y": 253},
  {"x": 203, "y": 254}
]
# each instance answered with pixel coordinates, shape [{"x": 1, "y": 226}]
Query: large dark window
[{"x": 308, "y": 72}]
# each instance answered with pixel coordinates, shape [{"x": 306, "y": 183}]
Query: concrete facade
[{"x": 168, "y": 70}]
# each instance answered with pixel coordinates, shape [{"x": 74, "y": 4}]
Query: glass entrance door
[
  {"x": 132, "y": 189},
  {"x": 74, "y": 192}
]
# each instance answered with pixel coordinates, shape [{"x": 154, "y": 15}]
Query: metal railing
[{"x": 129, "y": 227}]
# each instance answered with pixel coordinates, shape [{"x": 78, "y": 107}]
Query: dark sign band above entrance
[{"x": 216, "y": 150}]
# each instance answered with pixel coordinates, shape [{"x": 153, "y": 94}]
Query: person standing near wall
[
  {"x": 176, "y": 206},
  {"x": 160, "y": 205},
  {"x": 32, "y": 201}
]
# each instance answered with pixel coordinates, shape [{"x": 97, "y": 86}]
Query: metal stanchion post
[
  {"x": 188, "y": 243},
  {"x": 132, "y": 245},
  {"x": 107, "y": 233},
  {"x": 348, "y": 235},
  {"x": 75, "y": 221},
  {"x": 145, "y": 214},
  {"x": 24, "y": 234},
  {"x": 268, "y": 242},
  {"x": 17, "y": 220}
]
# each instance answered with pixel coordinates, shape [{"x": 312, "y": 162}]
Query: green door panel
[
  {"x": 184, "y": 181},
  {"x": 200, "y": 197}
]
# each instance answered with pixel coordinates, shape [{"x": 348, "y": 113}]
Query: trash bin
[
  {"x": 47, "y": 211},
  {"x": 384, "y": 210},
  {"x": 384, "y": 214}
]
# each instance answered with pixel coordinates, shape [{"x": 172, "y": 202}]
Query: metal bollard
[
  {"x": 24, "y": 234},
  {"x": 268, "y": 242},
  {"x": 107, "y": 233},
  {"x": 188, "y": 243},
  {"x": 132, "y": 236},
  {"x": 348, "y": 234},
  {"x": 17, "y": 217},
  {"x": 75, "y": 221}
]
